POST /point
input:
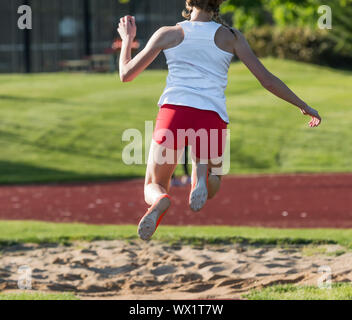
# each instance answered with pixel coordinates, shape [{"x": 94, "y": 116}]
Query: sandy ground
[{"x": 154, "y": 270}]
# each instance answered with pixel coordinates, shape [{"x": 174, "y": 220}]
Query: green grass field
[
  {"x": 12, "y": 232},
  {"x": 341, "y": 291},
  {"x": 60, "y": 127},
  {"x": 37, "y": 296}
]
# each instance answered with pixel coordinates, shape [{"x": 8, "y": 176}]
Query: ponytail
[{"x": 187, "y": 12}]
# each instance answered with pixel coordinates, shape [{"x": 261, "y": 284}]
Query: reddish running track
[{"x": 293, "y": 201}]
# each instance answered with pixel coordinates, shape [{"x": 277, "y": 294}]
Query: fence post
[
  {"x": 87, "y": 28},
  {"x": 27, "y": 45}
]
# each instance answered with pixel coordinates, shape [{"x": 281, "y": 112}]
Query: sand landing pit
[{"x": 155, "y": 270}]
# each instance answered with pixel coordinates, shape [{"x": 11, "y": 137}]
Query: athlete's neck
[{"x": 201, "y": 15}]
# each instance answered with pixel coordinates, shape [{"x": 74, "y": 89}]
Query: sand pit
[{"x": 154, "y": 270}]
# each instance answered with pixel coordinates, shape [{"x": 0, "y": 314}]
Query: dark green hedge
[{"x": 300, "y": 44}]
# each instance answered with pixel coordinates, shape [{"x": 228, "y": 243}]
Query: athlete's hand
[
  {"x": 127, "y": 28},
  {"x": 308, "y": 111}
]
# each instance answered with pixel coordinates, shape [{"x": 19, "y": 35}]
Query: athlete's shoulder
[
  {"x": 229, "y": 33},
  {"x": 167, "y": 30},
  {"x": 169, "y": 36},
  {"x": 225, "y": 38}
]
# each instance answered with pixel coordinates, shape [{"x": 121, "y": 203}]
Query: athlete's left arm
[{"x": 131, "y": 68}]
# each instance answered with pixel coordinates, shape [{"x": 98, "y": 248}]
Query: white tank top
[{"x": 198, "y": 70}]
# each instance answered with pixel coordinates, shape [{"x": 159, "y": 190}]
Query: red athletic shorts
[{"x": 179, "y": 126}]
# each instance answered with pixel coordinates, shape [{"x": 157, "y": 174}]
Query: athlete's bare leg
[
  {"x": 157, "y": 184},
  {"x": 199, "y": 191},
  {"x": 214, "y": 178},
  {"x": 205, "y": 184},
  {"x": 158, "y": 175}
]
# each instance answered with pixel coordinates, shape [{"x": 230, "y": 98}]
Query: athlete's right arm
[
  {"x": 269, "y": 81},
  {"x": 131, "y": 68}
]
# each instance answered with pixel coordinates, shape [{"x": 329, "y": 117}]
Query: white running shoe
[
  {"x": 151, "y": 220},
  {"x": 199, "y": 194}
]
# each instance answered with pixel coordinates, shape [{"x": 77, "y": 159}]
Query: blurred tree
[
  {"x": 342, "y": 27},
  {"x": 295, "y": 13},
  {"x": 254, "y": 13}
]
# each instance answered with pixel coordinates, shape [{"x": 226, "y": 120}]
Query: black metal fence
[{"x": 74, "y": 29}]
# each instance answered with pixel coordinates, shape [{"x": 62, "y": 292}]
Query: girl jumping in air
[{"x": 198, "y": 52}]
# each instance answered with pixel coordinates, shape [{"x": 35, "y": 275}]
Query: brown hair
[{"x": 208, "y": 6}]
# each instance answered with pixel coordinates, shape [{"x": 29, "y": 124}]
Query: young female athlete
[{"x": 198, "y": 52}]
